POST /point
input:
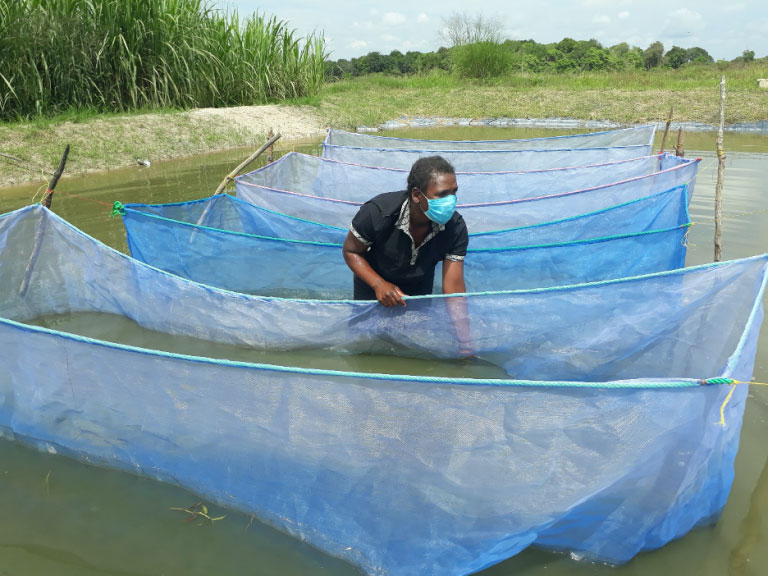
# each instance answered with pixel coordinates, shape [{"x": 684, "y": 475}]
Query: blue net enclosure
[
  {"x": 666, "y": 209},
  {"x": 474, "y": 160},
  {"x": 605, "y": 441},
  {"x": 483, "y": 216},
  {"x": 621, "y": 137},
  {"x": 315, "y": 176},
  {"x": 550, "y": 254}
]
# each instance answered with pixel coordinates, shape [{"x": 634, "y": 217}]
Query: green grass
[
  {"x": 626, "y": 97},
  {"x": 120, "y": 55}
]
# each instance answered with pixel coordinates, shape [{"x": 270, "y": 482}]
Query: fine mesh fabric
[
  {"x": 273, "y": 266},
  {"x": 486, "y": 216},
  {"x": 666, "y": 209},
  {"x": 316, "y": 176},
  {"x": 621, "y": 137},
  {"x": 486, "y": 160},
  {"x": 397, "y": 474}
]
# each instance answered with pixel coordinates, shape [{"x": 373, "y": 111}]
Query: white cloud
[
  {"x": 601, "y": 19},
  {"x": 358, "y": 44},
  {"x": 393, "y": 19},
  {"x": 389, "y": 38},
  {"x": 623, "y": 15},
  {"x": 422, "y": 18},
  {"x": 734, "y": 8}
]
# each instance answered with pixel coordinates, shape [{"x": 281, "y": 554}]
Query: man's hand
[{"x": 388, "y": 294}]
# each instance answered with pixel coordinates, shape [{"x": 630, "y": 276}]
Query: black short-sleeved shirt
[{"x": 382, "y": 225}]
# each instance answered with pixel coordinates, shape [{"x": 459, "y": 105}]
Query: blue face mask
[{"x": 440, "y": 210}]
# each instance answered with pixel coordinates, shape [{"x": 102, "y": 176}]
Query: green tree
[
  {"x": 698, "y": 55},
  {"x": 676, "y": 57},
  {"x": 371, "y": 63},
  {"x": 653, "y": 55}
]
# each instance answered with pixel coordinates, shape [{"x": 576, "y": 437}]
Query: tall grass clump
[
  {"x": 481, "y": 60},
  {"x": 120, "y": 55}
]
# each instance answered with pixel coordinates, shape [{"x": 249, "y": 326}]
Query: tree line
[{"x": 490, "y": 57}]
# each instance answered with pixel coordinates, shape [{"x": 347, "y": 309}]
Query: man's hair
[{"x": 424, "y": 170}]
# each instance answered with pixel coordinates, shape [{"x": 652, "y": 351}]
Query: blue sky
[{"x": 353, "y": 28}]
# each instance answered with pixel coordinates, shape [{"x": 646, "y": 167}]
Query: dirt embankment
[{"x": 30, "y": 152}]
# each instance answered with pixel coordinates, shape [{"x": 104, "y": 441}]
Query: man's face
[{"x": 440, "y": 186}]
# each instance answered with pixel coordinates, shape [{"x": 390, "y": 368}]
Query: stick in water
[
  {"x": 251, "y": 158},
  {"x": 48, "y": 196}
]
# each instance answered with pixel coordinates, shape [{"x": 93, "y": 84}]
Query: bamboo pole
[
  {"x": 666, "y": 130},
  {"x": 251, "y": 158},
  {"x": 679, "y": 150},
  {"x": 38, "y": 241},
  {"x": 720, "y": 176},
  {"x": 271, "y": 149},
  {"x": 48, "y": 196}
]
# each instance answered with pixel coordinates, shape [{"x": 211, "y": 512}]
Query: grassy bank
[
  {"x": 106, "y": 141},
  {"x": 625, "y": 97}
]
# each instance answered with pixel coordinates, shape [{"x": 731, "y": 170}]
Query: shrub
[{"x": 481, "y": 60}]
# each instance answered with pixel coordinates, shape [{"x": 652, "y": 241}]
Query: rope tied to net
[
  {"x": 117, "y": 209},
  {"x": 732, "y": 383}
]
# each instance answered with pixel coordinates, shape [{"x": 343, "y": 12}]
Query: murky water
[{"x": 62, "y": 517}]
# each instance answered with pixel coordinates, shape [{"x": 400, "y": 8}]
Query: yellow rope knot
[
  {"x": 725, "y": 403},
  {"x": 732, "y": 383}
]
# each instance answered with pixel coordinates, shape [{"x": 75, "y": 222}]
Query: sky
[{"x": 355, "y": 28}]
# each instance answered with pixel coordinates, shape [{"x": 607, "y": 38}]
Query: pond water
[{"x": 64, "y": 517}]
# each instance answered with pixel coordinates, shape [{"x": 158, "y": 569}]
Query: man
[{"x": 396, "y": 239}]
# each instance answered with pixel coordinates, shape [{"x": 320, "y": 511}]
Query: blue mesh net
[
  {"x": 604, "y": 444},
  {"x": 486, "y": 160},
  {"x": 330, "y": 202},
  {"x": 315, "y": 176},
  {"x": 666, "y": 209},
  {"x": 622, "y": 137},
  {"x": 222, "y": 241}
]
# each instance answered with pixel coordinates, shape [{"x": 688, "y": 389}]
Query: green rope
[
  {"x": 117, "y": 209},
  {"x": 717, "y": 381}
]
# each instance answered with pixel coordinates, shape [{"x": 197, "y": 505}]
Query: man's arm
[
  {"x": 453, "y": 277},
  {"x": 386, "y": 293},
  {"x": 453, "y": 283}
]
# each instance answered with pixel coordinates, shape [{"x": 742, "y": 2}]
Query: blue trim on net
[{"x": 649, "y": 383}]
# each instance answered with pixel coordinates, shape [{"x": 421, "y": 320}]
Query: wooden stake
[
  {"x": 679, "y": 151},
  {"x": 720, "y": 176},
  {"x": 48, "y": 196},
  {"x": 251, "y": 158},
  {"x": 271, "y": 149},
  {"x": 666, "y": 130},
  {"x": 41, "y": 227}
]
